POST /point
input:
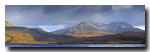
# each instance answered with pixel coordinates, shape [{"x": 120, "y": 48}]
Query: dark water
[{"x": 74, "y": 45}]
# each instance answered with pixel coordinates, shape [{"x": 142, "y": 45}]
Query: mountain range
[
  {"x": 84, "y": 32},
  {"x": 114, "y": 27}
]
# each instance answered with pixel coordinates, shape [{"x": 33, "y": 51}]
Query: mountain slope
[
  {"x": 78, "y": 28},
  {"x": 118, "y": 27},
  {"x": 28, "y": 34},
  {"x": 8, "y": 23},
  {"x": 84, "y": 29},
  {"x": 114, "y": 27},
  {"x": 33, "y": 35},
  {"x": 127, "y": 36}
]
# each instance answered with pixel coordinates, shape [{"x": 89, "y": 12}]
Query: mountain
[
  {"x": 85, "y": 32},
  {"x": 32, "y": 35},
  {"x": 114, "y": 27},
  {"x": 100, "y": 25},
  {"x": 81, "y": 26},
  {"x": 84, "y": 29},
  {"x": 119, "y": 26},
  {"x": 122, "y": 38},
  {"x": 127, "y": 36},
  {"x": 28, "y": 34},
  {"x": 7, "y": 23}
]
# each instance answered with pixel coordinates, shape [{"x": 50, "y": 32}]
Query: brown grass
[{"x": 89, "y": 33}]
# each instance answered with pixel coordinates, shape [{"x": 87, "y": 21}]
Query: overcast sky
[{"x": 74, "y": 14}]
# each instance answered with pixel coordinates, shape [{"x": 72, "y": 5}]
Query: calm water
[{"x": 74, "y": 45}]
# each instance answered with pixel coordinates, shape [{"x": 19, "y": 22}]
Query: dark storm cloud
[
  {"x": 94, "y": 9},
  {"x": 134, "y": 15},
  {"x": 57, "y": 8},
  {"x": 73, "y": 14},
  {"x": 139, "y": 7}
]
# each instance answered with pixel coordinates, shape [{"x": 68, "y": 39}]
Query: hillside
[
  {"x": 78, "y": 28},
  {"x": 128, "y": 37},
  {"x": 85, "y": 32},
  {"x": 84, "y": 29},
  {"x": 89, "y": 33},
  {"x": 119, "y": 27},
  {"x": 7, "y": 23},
  {"x": 125, "y": 37},
  {"x": 114, "y": 27},
  {"x": 26, "y": 35},
  {"x": 31, "y": 35}
]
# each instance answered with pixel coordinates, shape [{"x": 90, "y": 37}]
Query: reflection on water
[{"x": 74, "y": 45}]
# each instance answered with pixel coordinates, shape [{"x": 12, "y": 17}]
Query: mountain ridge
[
  {"x": 7, "y": 23},
  {"x": 27, "y": 35},
  {"x": 115, "y": 27}
]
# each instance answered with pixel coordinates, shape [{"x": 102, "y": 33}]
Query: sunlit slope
[
  {"x": 17, "y": 34},
  {"x": 25, "y": 35},
  {"x": 8, "y": 23},
  {"x": 18, "y": 37},
  {"x": 84, "y": 29},
  {"x": 89, "y": 33}
]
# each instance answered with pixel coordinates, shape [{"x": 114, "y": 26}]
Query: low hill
[
  {"x": 32, "y": 35},
  {"x": 121, "y": 38},
  {"x": 79, "y": 27},
  {"x": 7, "y": 23},
  {"x": 89, "y": 33},
  {"x": 128, "y": 36}
]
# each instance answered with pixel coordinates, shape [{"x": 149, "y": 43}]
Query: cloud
[
  {"x": 50, "y": 28},
  {"x": 57, "y": 8},
  {"x": 73, "y": 14},
  {"x": 93, "y": 9},
  {"x": 140, "y": 27},
  {"x": 119, "y": 7}
]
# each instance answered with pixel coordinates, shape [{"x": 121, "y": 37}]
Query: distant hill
[
  {"x": 7, "y": 23},
  {"x": 119, "y": 27},
  {"x": 32, "y": 35},
  {"x": 114, "y": 27},
  {"x": 128, "y": 36},
  {"x": 125, "y": 37}
]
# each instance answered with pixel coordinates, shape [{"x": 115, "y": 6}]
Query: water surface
[{"x": 74, "y": 45}]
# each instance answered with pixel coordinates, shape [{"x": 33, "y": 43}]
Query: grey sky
[{"x": 74, "y": 14}]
